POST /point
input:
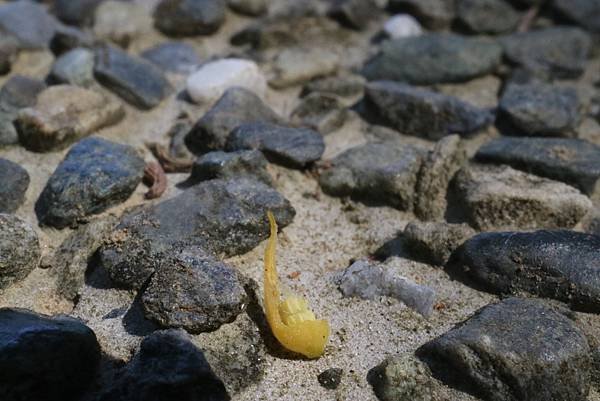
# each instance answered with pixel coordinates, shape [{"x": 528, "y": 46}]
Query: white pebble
[{"x": 401, "y": 26}]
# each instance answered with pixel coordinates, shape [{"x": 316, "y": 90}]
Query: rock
[
  {"x": 121, "y": 22},
  {"x": 221, "y": 217},
  {"x": 18, "y": 92},
  {"x": 434, "y": 58},
  {"x": 500, "y": 198},
  {"x": 253, "y": 8},
  {"x": 8, "y": 53},
  {"x": 8, "y": 133},
  {"x": 367, "y": 281},
  {"x": 573, "y": 161},
  {"x": 95, "y": 175},
  {"x": 194, "y": 292},
  {"x": 320, "y": 111},
  {"x": 376, "y": 172},
  {"x": 294, "y": 66},
  {"x": 434, "y": 14},
  {"x": 211, "y": 81},
  {"x": 45, "y": 358},
  {"x": 422, "y": 112},
  {"x": 434, "y": 242},
  {"x": 330, "y": 378},
  {"x": 438, "y": 168},
  {"x": 14, "y": 181},
  {"x": 517, "y": 349},
  {"x": 487, "y": 16},
  {"x": 540, "y": 109},
  {"x": 28, "y": 22},
  {"x": 189, "y": 17},
  {"x": 402, "y": 26},
  {"x": 343, "y": 85},
  {"x": 293, "y": 147},
  {"x": 68, "y": 38},
  {"x": 63, "y": 114},
  {"x": 228, "y": 165},
  {"x": 237, "y": 106},
  {"x": 19, "y": 249},
  {"x": 78, "y": 13},
  {"x": 178, "y": 57},
  {"x": 559, "y": 52},
  {"x": 356, "y": 14},
  {"x": 167, "y": 364},
  {"x": 178, "y": 131},
  {"x": 403, "y": 378},
  {"x": 75, "y": 67},
  {"x": 585, "y": 13},
  {"x": 592, "y": 224}
]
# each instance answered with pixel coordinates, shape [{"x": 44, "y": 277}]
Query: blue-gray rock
[
  {"x": 293, "y": 147},
  {"x": 243, "y": 163},
  {"x": 217, "y": 216},
  {"x": 558, "y": 52},
  {"x": 434, "y": 58},
  {"x": 573, "y": 161},
  {"x": 167, "y": 365},
  {"x": 585, "y": 13},
  {"x": 189, "y": 17},
  {"x": 434, "y": 14},
  {"x": 19, "y": 249},
  {"x": 29, "y": 22},
  {"x": 515, "y": 350},
  {"x": 80, "y": 12},
  {"x": 179, "y": 57},
  {"x": 14, "y": 181},
  {"x": 75, "y": 67},
  {"x": 95, "y": 175},
  {"x": 434, "y": 242},
  {"x": 422, "y": 112},
  {"x": 17, "y": 92},
  {"x": 487, "y": 16},
  {"x": 45, "y": 358},
  {"x": 134, "y": 79},
  {"x": 253, "y": 8}
]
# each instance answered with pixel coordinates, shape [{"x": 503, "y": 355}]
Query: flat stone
[
  {"x": 62, "y": 115},
  {"x": 178, "y": 57},
  {"x": 320, "y": 111},
  {"x": 227, "y": 165},
  {"x": 95, "y": 175},
  {"x": 29, "y": 22},
  {"x": 434, "y": 58},
  {"x": 253, "y": 8},
  {"x": 376, "y": 172},
  {"x": 487, "y": 16},
  {"x": 237, "y": 106},
  {"x": 294, "y": 147},
  {"x": 75, "y": 67},
  {"x": 422, "y": 112},
  {"x": 78, "y": 13},
  {"x": 14, "y": 181},
  {"x": 189, "y": 17},
  {"x": 402, "y": 26},
  {"x": 356, "y": 14},
  {"x": 403, "y": 377},
  {"x": 500, "y": 198},
  {"x": 294, "y": 66},
  {"x": 45, "y": 358},
  {"x": 121, "y": 22},
  {"x": 585, "y": 13},
  {"x": 517, "y": 349},
  {"x": 434, "y": 242},
  {"x": 221, "y": 217},
  {"x": 343, "y": 85},
  {"x": 434, "y": 14},
  {"x": 134, "y": 79},
  {"x": 19, "y": 249}
]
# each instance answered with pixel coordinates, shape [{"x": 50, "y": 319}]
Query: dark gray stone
[
  {"x": 404, "y": 378},
  {"x": 68, "y": 37},
  {"x": 320, "y": 111},
  {"x": 330, "y": 378},
  {"x": 8, "y": 53},
  {"x": 189, "y": 17},
  {"x": 585, "y": 13},
  {"x": 45, "y": 358},
  {"x": 434, "y": 58},
  {"x": 220, "y": 217},
  {"x": 434, "y": 14},
  {"x": 14, "y": 181},
  {"x": 19, "y": 249},
  {"x": 95, "y": 175},
  {"x": 435, "y": 242},
  {"x": 226, "y": 165},
  {"x": 487, "y": 16},
  {"x": 29, "y": 22},
  {"x": 253, "y": 8},
  {"x": 237, "y": 106},
  {"x": 134, "y": 79},
  {"x": 422, "y": 112},
  {"x": 17, "y": 92},
  {"x": 75, "y": 67},
  {"x": 344, "y": 85},
  {"x": 80, "y": 12},
  {"x": 179, "y": 57},
  {"x": 293, "y": 147},
  {"x": 515, "y": 350},
  {"x": 356, "y": 14}
]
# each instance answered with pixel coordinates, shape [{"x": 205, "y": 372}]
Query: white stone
[
  {"x": 401, "y": 26},
  {"x": 212, "y": 79}
]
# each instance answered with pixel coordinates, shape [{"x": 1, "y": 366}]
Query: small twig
[
  {"x": 170, "y": 164},
  {"x": 155, "y": 178},
  {"x": 529, "y": 17}
]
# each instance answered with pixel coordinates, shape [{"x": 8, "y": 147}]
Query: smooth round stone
[{"x": 402, "y": 26}]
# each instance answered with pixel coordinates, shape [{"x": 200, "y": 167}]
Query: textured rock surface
[
  {"x": 330, "y": 378},
  {"x": 403, "y": 378},
  {"x": 14, "y": 181},
  {"x": 487, "y": 16},
  {"x": 226, "y": 165},
  {"x": 17, "y": 92},
  {"x": 19, "y": 249},
  {"x": 321, "y": 112},
  {"x": 75, "y": 67},
  {"x": 435, "y": 242},
  {"x": 189, "y": 17}
]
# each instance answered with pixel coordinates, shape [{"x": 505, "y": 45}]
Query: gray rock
[
  {"x": 19, "y": 249},
  {"x": 178, "y": 133},
  {"x": 297, "y": 65},
  {"x": 586, "y": 13},
  {"x": 237, "y": 106},
  {"x": 14, "y": 181},
  {"x": 435, "y": 242},
  {"x": 179, "y": 57},
  {"x": 422, "y": 112},
  {"x": 121, "y": 22},
  {"x": 226, "y": 165},
  {"x": 434, "y": 14},
  {"x": 75, "y": 67},
  {"x": 517, "y": 349},
  {"x": 487, "y": 16},
  {"x": 434, "y": 58},
  {"x": 330, "y": 378},
  {"x": 68, "y": 38},
  {"x": 189, "y": 17},
  {"x": 253, "y": 8},
  {"x": 221, "y": 217},
  {"x": 343, "y": 85},
  {"x": 501, "y": 198},
  {"x": 45, "y": 358},
  {"x": 592, "y": 225},
  {"x": 78, "y": 13},
  {"x": 540, "y": 109},
  {"x": 134, "y": 79},
  {"x": 95, "y": 175},
  {"x": 320, "y": 111},
  {"x": 194, "y": 292},
  {"x": 376, "y": 172},
  {"x": 16, "y": 93},
  {"x": 403, "y": 378},
  {"x": 356, "y": 14},
  {"x": 559, "y": 52},
  {"x": 29, "y": 22},
  {"x": 573, "y": 161},
  {"x": 8, "y": 53},
  {"x": 293, "y": 147}
]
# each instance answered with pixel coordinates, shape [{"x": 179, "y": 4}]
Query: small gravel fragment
[
  {"x": 226, "y": 165},
  {"x": 330, "y": 378}
]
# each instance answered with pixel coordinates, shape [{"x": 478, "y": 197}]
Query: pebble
[
  {"x": 121, "y": 22},
  {"x": 585, "y": 13},
  {"x": 422, "y": 112},
  {"x": 68, "y": 38},
  {"x": 211, "y": 80},
  {"x": 330, "y": 378},
  {"x": 189, "y": 17},
  {"x": 355, "y": 14},
  {"x": 403, "y": 377},
  {"x": 95, "y": 175},
  {"x": 62, "y": 115},
  {"x": 45, "y": 358},
  {"x": 434, "y": 242},
  {"x": 321, "y": 112},
  {"x": 75, "y": 67},
  {"x": 434, "y": 14},
  {"x": 253, "y": 8},
  {"x": 293, "y": 147},
  {"x": 542, "y": 354},
  {"x": 18, "y": 92},
  {"x": 28, "y": 22},
  {"x": 501, "y": 198},
  {"x": 294, "y": 66},
  {"x": 227, "y": 165},
  {"x": 77, "y": 13},
  {"x": 134, "y": 79},
  {"x": 14, "y": 181},
  {"x": 343, "y": 85},
  {"x": 8, "y": 53},
  {"x": 402, "y": 26},
  {"x": 178, "y": 57},
  {"x": 19, "y": 249},
  {"x": 487, "y": 16}
]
